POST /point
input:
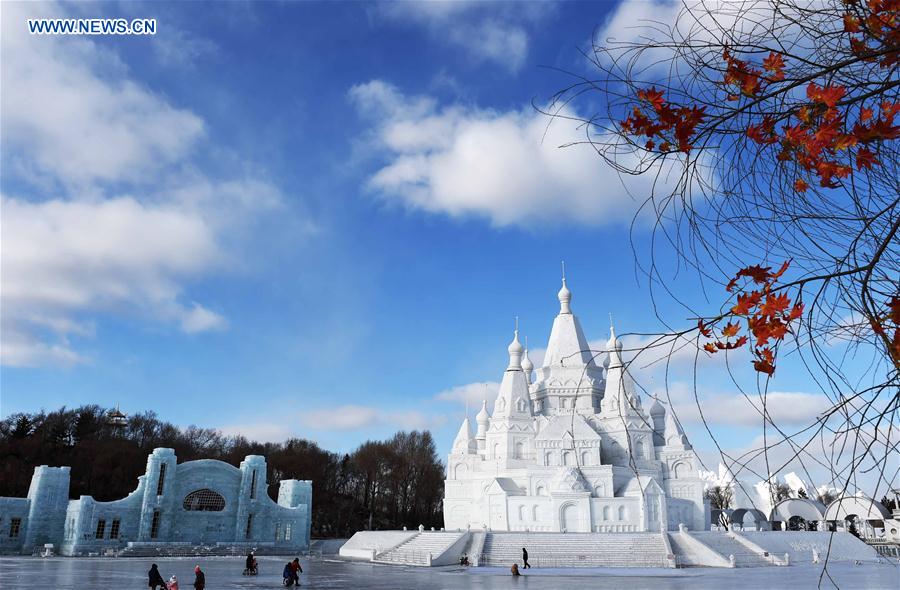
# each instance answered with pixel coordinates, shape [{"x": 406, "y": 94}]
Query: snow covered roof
[
  {"x": 575, "y": 424},
  {"x": 567, "y": 345},
  {"x": 506, "y": 486}
]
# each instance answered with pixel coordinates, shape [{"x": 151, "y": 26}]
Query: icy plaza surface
[{"x": 19, "y": 573}]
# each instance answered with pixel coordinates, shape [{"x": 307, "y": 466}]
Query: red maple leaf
[
  {"x": 851, "y": 24},
  {"x": 775, "y": 304},
  {"x": 858, "y": 46},
  {"x": 827, "y": 95},
  {"x": 708, "y": 347},
  {"x": 759, "y": 274},
  {"x": 796, "y": 312},
  {"x": 653, "y": 96},
  {"x": 844, "y": 141},
  {"x": 731, "y": 329},
  {"x": 800, "y": 185},
  {"x": 777, "y": 329},
  {"x": 758, "y": 134},
  {"x": 784, "y": 267},
  {"x": 865, "y": 159},
  {"x": 764, "y": 367},
  {"x": 774, "y": 64},
  {"x": 704, "y": 329},
  {"x": 746, "y": 302},
  {"x": 750, "y": 84},
  {"x": 760, "y": 328}
]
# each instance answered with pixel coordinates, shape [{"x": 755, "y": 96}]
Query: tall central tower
[{"x": 570, "y": 380}]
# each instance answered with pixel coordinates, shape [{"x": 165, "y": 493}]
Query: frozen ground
[{"x": 20, "y": 573}]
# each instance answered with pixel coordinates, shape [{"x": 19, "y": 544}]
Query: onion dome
[
  {"x": 515, "y": 350},
  {"x": 527, "y": 365},
  {"x": 483, "y": 416},
  {"x": 613, "y": 348},
  {"x": 565, "y": 298}
]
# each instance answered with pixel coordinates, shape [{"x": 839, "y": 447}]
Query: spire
[
  {"x": 527, "y": 365},
  {"x": 564, "y": 295},
  {"x": 512, "y": 399},
  {"x": 482, "y": 419},
  {"x": 614, "y": 349},
  {"x": 464, "y": 444},
  {"x": 673, "y": 432},
  {"x": 567, "y": 345},
  {"x": 515, "y": 351},
  {"x": 619, "y": 395}
]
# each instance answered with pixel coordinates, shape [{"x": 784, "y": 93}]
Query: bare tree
[{"x": 767, "y": 128}]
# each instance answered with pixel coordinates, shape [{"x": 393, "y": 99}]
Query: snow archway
[
  {"x": 740, "y": 515},
  {"x": 808, "y": 510}
]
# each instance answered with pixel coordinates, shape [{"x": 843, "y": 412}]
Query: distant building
[
  {"x": 203, "y": 502},
  {"x": 570, "y": 449}
]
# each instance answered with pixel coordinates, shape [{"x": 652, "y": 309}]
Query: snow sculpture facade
[
  {"x": 204, "y": 502},
  {"x": 571, "y": 449}
]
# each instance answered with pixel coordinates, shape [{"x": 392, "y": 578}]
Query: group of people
[
  {"x": 291, "y": 575},
  {"x": 525, "y": 565},
  {"x": 157, "y": 582}
]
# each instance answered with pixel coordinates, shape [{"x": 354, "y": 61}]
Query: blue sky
[{"x": 271, "y": 210}]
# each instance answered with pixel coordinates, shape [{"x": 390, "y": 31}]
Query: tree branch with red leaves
[{"x": 770, "y": 132}]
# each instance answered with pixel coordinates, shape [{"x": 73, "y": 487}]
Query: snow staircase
[
  {"x": 575, "y": 549},
  {"x": 421, "y": 549},
  {"x": 726, "y": 545}
]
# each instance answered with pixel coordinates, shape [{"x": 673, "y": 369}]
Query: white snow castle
[{"x": 569, "y": 448}]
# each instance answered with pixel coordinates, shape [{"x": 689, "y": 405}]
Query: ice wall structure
[{"x": 204, "y": 502}]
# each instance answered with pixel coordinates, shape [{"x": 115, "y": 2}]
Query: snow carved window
[{"x": 204, "y": 500}]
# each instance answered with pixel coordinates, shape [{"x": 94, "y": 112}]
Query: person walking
[
  {"x": 250, "y": 565},
  {"x": 199, "y": 579},
  {"x": 288, "y": 575},
  {"x": 525, "y": 563},
  {"x": 155, "y": 578},
  {"x": 173, "y": 583}
]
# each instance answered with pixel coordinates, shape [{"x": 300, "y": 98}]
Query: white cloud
[
  {"x": 109, "y": 213},
  {"x": 20, "y": 349},
  {"x": 508, "y": 167},
  {"x": 200, "y": 319},
  {"x": 177, "y": 47},
  {"x": 71, "y": 111},
  {"x": 259, "y": 431},
  {"x": 494, "y": 41},
  {"x": 487, "y": 31},
  {"x": 354, "y": 417},
  {"x": 662, "y": 22},
  {"x": 473, "y": 393},
  {"x": 62, "y": 259},
  {"x": 784, "y": 408}
]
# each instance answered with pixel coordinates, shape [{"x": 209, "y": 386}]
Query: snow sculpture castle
[{"x": 570, "y": 449}]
